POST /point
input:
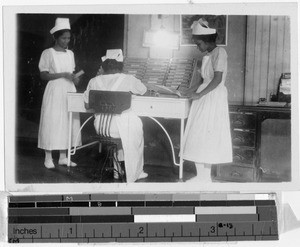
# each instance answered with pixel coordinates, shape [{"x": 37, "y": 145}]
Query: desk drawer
[
  {"x": 242, "y": 120},
  {"x": 243, "y": 138},
  {"x": 161, "y": 107},
  {"x": 235, "y": 173},
  {"x": 243, "y": 156}
]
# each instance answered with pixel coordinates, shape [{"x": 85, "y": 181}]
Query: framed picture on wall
[{"x": 220, "y": 22}]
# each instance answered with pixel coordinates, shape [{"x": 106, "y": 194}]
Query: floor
[
  {"x": 157, "y": 156},
  {"x": 30, "y": 168}
]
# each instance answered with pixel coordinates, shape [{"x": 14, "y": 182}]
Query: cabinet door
[{"x": 275, "y": 150}]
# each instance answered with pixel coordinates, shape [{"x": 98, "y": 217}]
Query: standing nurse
[
  {"x": 207, "y": 138},
  {"x": 57, "y": 66}
]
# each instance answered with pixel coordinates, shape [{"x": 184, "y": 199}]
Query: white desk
[{"x": 173, "y": 108}]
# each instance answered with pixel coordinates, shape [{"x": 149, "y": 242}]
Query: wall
[
  {"x": 267, "y": 55},
  {"x": 236, "y": 47},
  {"x": 136, "y": 24}
]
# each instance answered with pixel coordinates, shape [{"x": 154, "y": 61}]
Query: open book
[{"x": 160, "y": 89}]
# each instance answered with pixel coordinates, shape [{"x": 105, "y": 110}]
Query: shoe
[
  {"x": 193, "y": 180},
  {"x": 64, "y": 162},
  {"x": 119, "y": 169},
  {"x": 49, "y": 164},
  {"x": 118, "y": 175},
  {"x": 143, "y": 175}
]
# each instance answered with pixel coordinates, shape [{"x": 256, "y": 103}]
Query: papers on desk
[
  {"x": 81, "y": 72},
  {"x": 163, "y": 90}
]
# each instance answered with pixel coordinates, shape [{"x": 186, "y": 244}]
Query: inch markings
[
  {"x": 210, "y": 231},
  {"x": 92, "y": 218}
]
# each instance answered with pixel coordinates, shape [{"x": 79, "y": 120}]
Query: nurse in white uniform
[
  {"x": 207, "y": 137},
  {"x": 127, "y": 126},
  {"x": 56, "y": 66}
]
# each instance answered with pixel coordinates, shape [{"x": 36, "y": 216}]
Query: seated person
[{"x": 127, "y": 126}]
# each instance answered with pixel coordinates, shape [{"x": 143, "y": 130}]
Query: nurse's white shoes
[
  {"x": 118, "y": 175},
  {"x": 49, "y": 164},
  {"x": 143, "y": 175},
  {"x": 64, "y": 162},
  {"x": 203, "y": 174}
]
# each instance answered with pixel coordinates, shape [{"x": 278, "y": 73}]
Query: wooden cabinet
[
  {"x": 242, "y": 120},
  {"x": 246, "y": 131},
  {"x": 245, "y": 138}
]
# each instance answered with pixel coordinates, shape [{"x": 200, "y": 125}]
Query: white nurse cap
[
  {"x": 116, "y": 54},
  {"x": 200, "y": 27},
  {"x": 60, "y": 24}
]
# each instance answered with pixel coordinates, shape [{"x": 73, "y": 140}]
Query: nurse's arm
[
  {"x": 46, "y": 76},
  {"x": 211, "y": 86},
  {"x": 193, "y": 88}
]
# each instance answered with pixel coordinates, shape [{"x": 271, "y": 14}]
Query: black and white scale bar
[
  {"x": 71, "y": 214},
  {"x": 141, "y": 218},
  {"x": 143, "y": 232},
  {"x": 102, "y": 203},
  {"x": 70, "y": 219}
]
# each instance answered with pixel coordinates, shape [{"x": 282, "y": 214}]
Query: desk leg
[
  {"x": 70, "y": 138},
  {"x": 181, "y": 150}
]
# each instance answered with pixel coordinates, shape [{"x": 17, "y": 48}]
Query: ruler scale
[{"x": 85, "y": 218}]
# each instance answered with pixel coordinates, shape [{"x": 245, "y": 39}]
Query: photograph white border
[{"x": 9, "y": 38}]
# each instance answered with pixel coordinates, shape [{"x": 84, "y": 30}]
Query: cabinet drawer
[
  {"x": 243, "y": 156},
  {"x": 243, "y": 138},
  {"x": 242, "y": 120},
  {"x": 235, "y": 173}
]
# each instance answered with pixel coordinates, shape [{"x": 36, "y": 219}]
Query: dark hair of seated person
[{"x": 112, "y": 66}]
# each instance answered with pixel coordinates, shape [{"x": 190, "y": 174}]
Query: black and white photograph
[
  {"x": 99, "y": 98},
  {"x": 173, "y": 124}
]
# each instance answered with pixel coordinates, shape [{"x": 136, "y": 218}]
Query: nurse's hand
[
  {"x": 184, "y": 92},
  {"x": 195, "y": 96},
  {"x": 69, "y": 76},
  {"x": 76, "y": 81}
]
